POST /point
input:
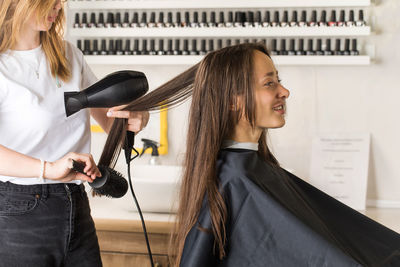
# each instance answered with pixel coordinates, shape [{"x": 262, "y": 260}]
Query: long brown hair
[
  {"x": 13, "y": 16},
  {"x": 214, "y": 84}
]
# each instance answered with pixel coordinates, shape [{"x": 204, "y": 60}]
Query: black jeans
[{"x": 46, "y": 225}]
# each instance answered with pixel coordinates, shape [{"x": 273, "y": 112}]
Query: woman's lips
[{"x": 51, "y": 18}]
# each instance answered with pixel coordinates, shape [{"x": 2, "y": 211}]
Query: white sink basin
[{"x": 156, "y": 187}]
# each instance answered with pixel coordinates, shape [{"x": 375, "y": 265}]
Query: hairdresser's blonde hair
[{"x": 15, "y": 13}]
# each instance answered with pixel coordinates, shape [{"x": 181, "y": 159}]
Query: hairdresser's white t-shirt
[{"x": 32, "y": 113}]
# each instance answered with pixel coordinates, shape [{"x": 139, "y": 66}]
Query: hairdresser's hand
[
  {"x": 137, "y": 120},
  {"x": 60, "y": 170}
]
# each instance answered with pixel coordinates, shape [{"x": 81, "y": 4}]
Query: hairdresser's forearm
[
  {"x": 15, "y": 164},
  {"x": 100, "y": 115}
]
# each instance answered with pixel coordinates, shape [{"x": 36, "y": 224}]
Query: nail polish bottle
[
  {"x": 152, "y": 50},
  {"x": 110, "y": 20},
  {"x": 319, "y": 51},
  {"x": 354, "y": 51},
  {"x": 169, "y": 22},
  {"x": 86, "y": 47},
  {"x": 178, "y": 21},
  {"x": 100, "y": 23},
  {"x": 254, "y": 41},
  {"x": 195, "y": 22},
  {"x": 203, "y": 50},
  {"x": 143, "y": 21},
  {"x": 313, "y": 21},
  {"x": 152, "y": 22},
  {"x": 103, "y": 50},
  {"x": 160, "y": 23},
  {"x": 136, "y": 50},
  {"x": 246, "y": 41},
  {"x": 303, "y": 19},
  {"x": 221, "y": 22},
  {"x": 257, "y": 19},
  {"x": 291, "y": 51},
  {"x": 337, "y": 51},
  {"x": 169, "y": 48},
  {"x": 322, "y": 21},
  {"x": 203, "y": 22},
  {"x": 92, "y": 23},
  {"x": 229, "y": 42},
  {"x": 83, "y": 23},
  {"x": 144, "y": 50},
  {"x": 284, "y": 21},
  {"x": 135, "y": 20},
  {"x": 275, "y": 23},
  {"x": 360, "y": 22},
  {"x": 249, "y": 22},
  {"x": 237, "y": 41},
  {"x": 341, "y": 21},
  {"x": 95, "y": 50},
  {"x": 264, "y": 42},
  {"x": 194, "y": 48},
  {"x": 177, "y": 49},
  {"x": 212, "y": 22},
  {"x": 267, "y": 19},
  {"x": 332, "y": 22},
  {"x": 346, "y": 51},
  {"x": 300, "y": 50},
  {"x": 238, "y": 19},
  {"x": 117, "y": 22},
  {"x": 76, "y": 22},
  {"x": 283, "y": 51},
  {"x": 79, "y": 45},
  {"x": 328, "y": 50},
  {"x": 219, "y": 44},
  {"x": 186, "y": 23},
  {"x": 125, "y": 23},
  {"x": 111, "y": 49},
  {"x": 118, "y": 47},
  {"x": 229, "y": 22},
  {"x": 350, "y": 22},
  {"x": 185, "y": 50},
  {"x": 310, "y": 51},
  {"x": 274, "y": 50},
  {"x": 160, "y": 50},
  {"x": 211, "y": 45},
  {"x": 127, "y": 51},
  {"x": 293, "y": 22}
]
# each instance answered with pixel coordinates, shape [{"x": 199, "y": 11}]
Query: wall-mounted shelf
[
  {"x": 222, "y": 32},
  {"x": 210, "y": 4},
  {"x": 191, "y": 60}
]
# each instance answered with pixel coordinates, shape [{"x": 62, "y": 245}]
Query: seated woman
[{"x": 237, "y": 206}]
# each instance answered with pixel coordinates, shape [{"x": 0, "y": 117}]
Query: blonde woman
[{"x": 44, "y": 211}]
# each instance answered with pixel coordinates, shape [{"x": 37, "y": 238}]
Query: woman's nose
[{"x": 283, "y": 92}]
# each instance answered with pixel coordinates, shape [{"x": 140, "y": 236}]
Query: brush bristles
[{"x": 116, "y": 185}]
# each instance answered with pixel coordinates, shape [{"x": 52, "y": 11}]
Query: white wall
[{"x": 323, "y": 99}]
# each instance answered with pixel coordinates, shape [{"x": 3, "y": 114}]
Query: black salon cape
[{"x": 277, "y": 219}]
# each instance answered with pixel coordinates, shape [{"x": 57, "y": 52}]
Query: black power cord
[{"x": 128, "y": 147}]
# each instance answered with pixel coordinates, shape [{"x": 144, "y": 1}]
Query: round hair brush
[{"x": 110, "y": 184}]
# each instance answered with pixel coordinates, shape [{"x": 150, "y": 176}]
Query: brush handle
[{"x": 98, "y": 182}]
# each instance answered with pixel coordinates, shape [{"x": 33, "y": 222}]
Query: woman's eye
[{"x": 269, "y": 83}]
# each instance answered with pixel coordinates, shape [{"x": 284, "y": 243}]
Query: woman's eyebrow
[{"x": 271, "y": 74}]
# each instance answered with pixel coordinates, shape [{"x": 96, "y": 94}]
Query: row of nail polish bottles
[
  {"x": 203, "y": 46},
  {"x": 321, "y": 49},
  {"x": 209, "y": 19}
]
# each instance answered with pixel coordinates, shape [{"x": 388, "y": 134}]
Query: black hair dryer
[{"x": 117, "y": 88}]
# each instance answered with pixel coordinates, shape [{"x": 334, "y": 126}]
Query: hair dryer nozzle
[{"x": 115, "y": 89}]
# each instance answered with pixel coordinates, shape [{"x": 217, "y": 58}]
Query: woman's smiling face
[{"x": 270, "y": 96}]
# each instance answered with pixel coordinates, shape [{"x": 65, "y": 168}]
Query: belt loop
[{"x": 45, "y": 191}]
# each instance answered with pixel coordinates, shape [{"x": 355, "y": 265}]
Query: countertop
[{"x": 121, "y": 215}]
